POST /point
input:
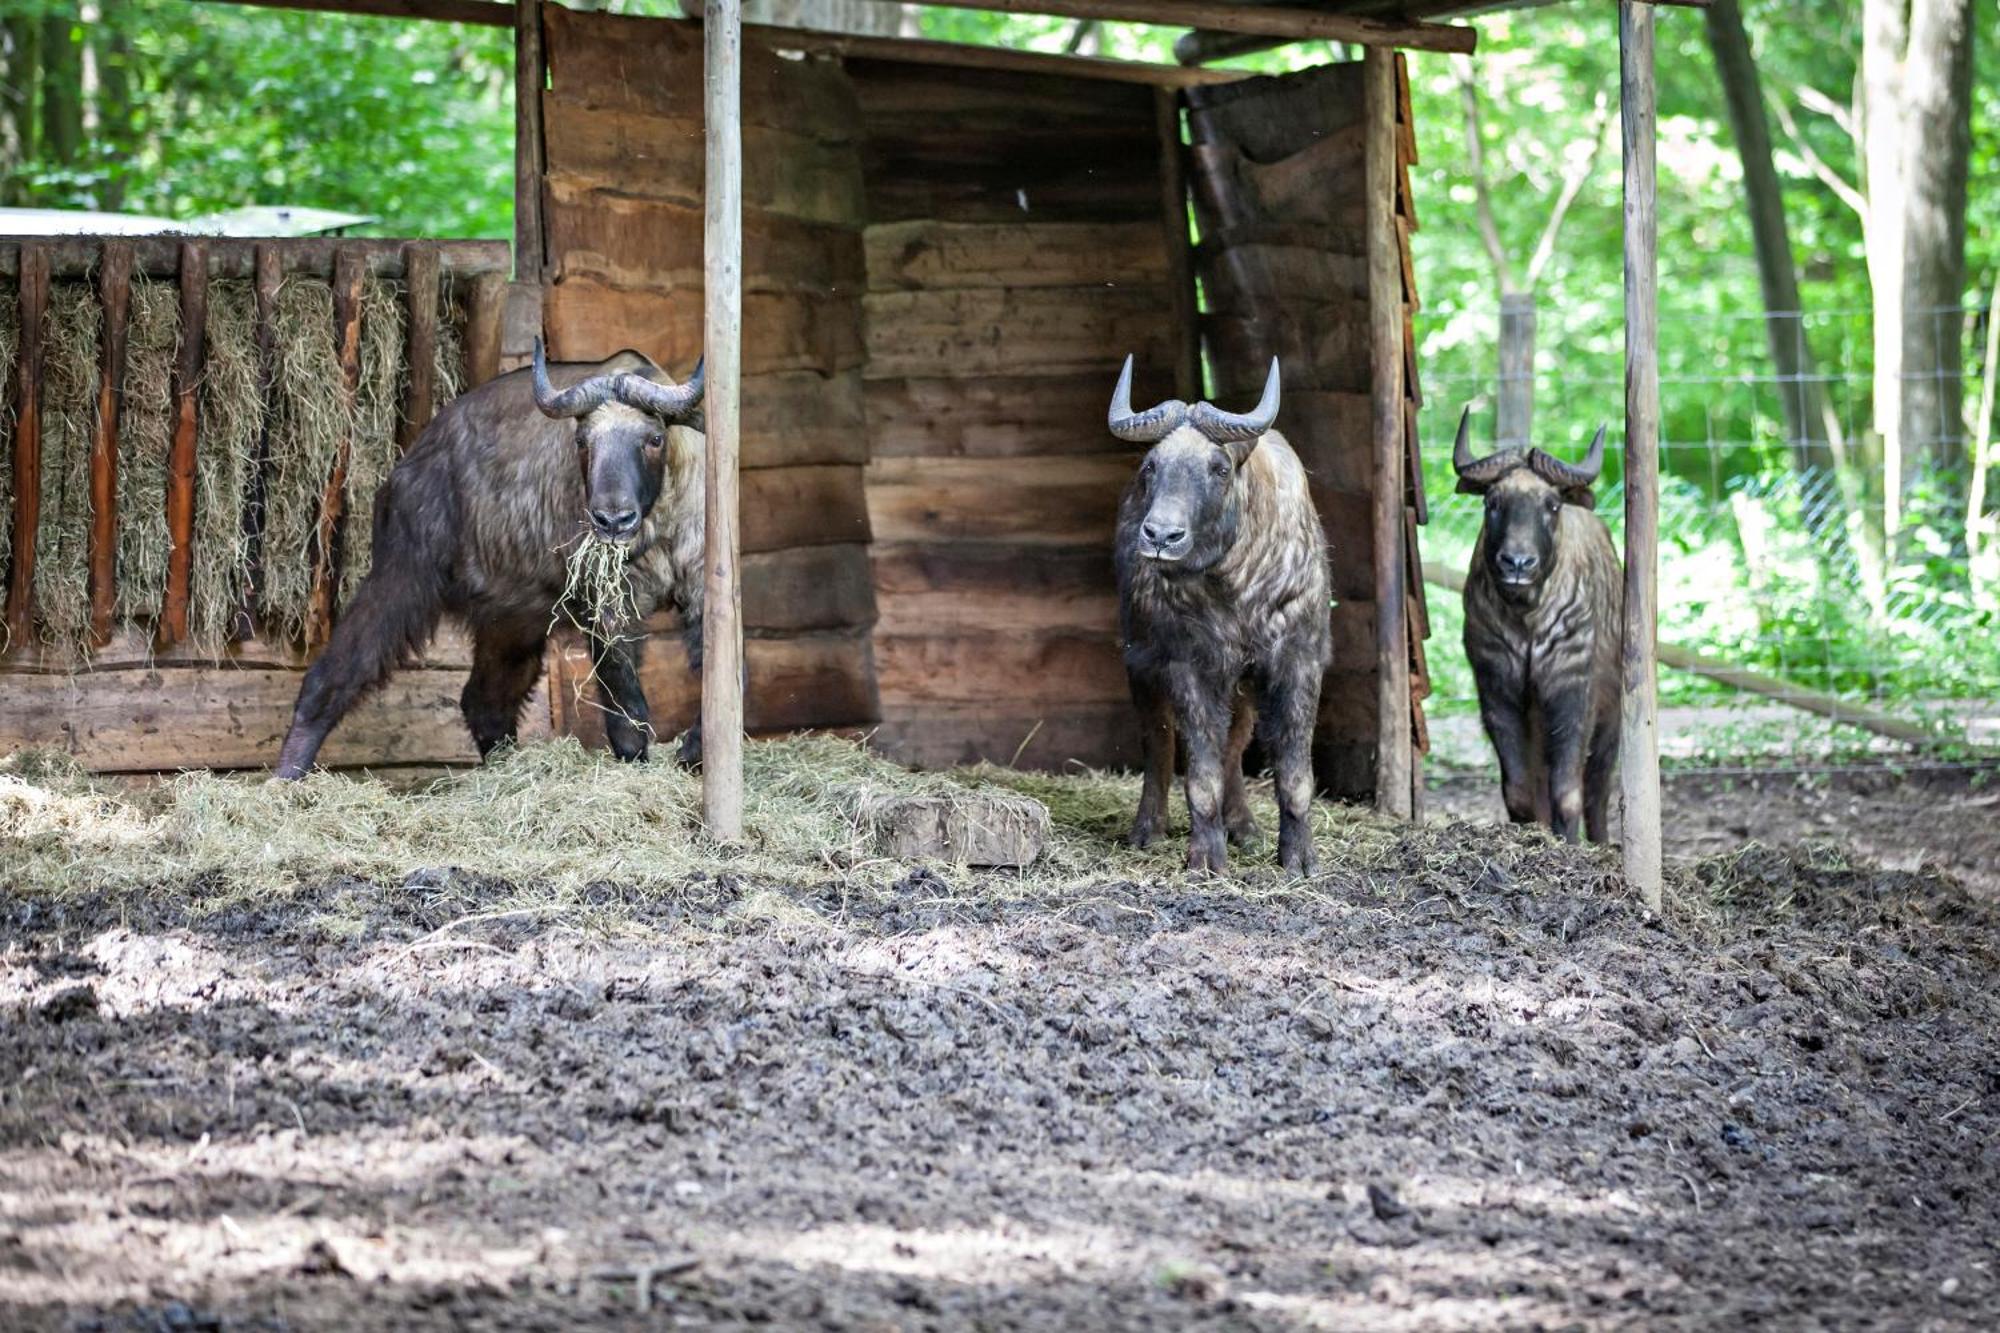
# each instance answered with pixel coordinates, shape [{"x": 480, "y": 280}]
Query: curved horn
[
  {"x": 1566, "y": 475},
  {"x": 1476, "y": 474},
  {"x": 1235, "y": 427},
  {"x": 670, "y": 402},
  {"x": 1148, "y": 427},
  {"x": 573, "y": 401}
]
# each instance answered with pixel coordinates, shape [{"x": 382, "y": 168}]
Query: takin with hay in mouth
[
  {"x": 1544, "y": 603},
  {"x": 481, "y": 519},
  {"x": 1223, "y": 604}
]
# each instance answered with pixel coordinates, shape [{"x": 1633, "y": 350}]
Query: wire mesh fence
[{"x": 1785, "y": 549}]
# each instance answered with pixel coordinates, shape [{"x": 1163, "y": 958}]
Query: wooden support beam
[
  {"x": 1264, "y": 20},
  {"x": 1180, "y": 249},
  {"x": 114, "y": 295},
  {"x": 1639, "y": 746},
  {"x": 1385, "y": 352},
  {"x": 422, "y": 291},
  {"x": 722, "y": 239},
  {"x": 181, "y": 454},
  {"x": 485, "y": 310},
  {"x": 34, "y": 304},
  {"x": 347, "y": 274},
  {"x": 531, "y": 76},
  {"x": 1201, "y": 45}
]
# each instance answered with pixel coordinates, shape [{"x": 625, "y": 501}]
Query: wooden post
[
  {"x": 34, "y": 303},
  {"x": 114, "y": 290},
  {"x": 421, "y": 290},
  {"x": 1639, "y": 721},
  {"x": 348, "y": 272},
  {"x": 484, "y": 310},
  {"x": 1385, "y": 351},
  {"x": 531, "y": 71},
  {"x": 1180, "y": 255},
  {"x": 722, "y": 616},
  {"x": 181, "y": 456}
]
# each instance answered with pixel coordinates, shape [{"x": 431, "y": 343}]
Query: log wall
[
  {"x": 1278, "y": 176},
  {"x": 623, "y": 207}
]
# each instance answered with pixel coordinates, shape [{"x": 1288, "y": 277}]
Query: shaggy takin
[
  {"x": 1543, "y": 603},
  {"x": 1223, "y": 607},
  {"x": 480, "y": 519}
]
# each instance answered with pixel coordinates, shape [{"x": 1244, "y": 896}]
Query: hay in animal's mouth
[{"x": 597, "y": 587}]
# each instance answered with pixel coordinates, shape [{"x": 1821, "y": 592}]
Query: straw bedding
[
  {"x": 62, "y": 537},
  {"x": 232, "y": 420},
  {"x": 145, "y": 436}
]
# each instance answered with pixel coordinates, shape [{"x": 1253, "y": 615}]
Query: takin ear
[
  {"x": 1467, "y": 486},
  {"x": 1583, "y": 497}
]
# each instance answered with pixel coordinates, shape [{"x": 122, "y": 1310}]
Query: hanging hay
[
  {"x": 62, "y": 538},
  {"x": 596, "y": 595},
  {"x": 373, "y": 451},
  {"x": 232, "y": 419},
  {"x": 145, "y": 436},
  {"x": 309, "y": 416},
  {"x": 449, "y": 381},
  {"x": 10, "y": 341}
]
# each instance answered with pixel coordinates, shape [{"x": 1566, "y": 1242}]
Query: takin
[
  {"x": 1223, "y": 608},
  {"x": 1543, "y": 605},
  {"x": 479, "y": 521}
]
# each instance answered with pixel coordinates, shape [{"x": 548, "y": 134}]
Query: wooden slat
[
  {"x": 786, "y": 507},
  {"x": 800, "y": 417},
  {"x": 182, "y": 454},
  {"x": 531, "y": 70},
  {"x": 1049, "y": 736},
  {"x": 1319, "y": 347},
  {"x": 230, "y": 257},
  {"x": 1006, "y": 416},
  {"x": 33, "y": 301},
  {"x": 1320, "y": 186},
  {"x": 1029, "y": 331},
  {"x": 783, "y": 331},
  {"x": 996, "y": 589},
  {"x": 927, "y": 254},
  {"x": 1266, "y": 20},
  {"x": 1386, "y": 352},
  {"x": 786, "y": 171},
  {"x": 1062, "y": 501},
  {"x": 422, "y": 292},
  {"x": 114, "y": 294},
  {"x": 326, "y": 551},
  {"x": 612, "y": 237},
  {"x": 485, "y": 308},
  {"x": 1082, "y": 173},
  {"x": 960, "y": 669},
  {"x": 171, "y": 718}
]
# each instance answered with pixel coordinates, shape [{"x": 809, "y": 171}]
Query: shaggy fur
[
  {"x": 478, "y": 521},
  {"x": 1231, "y": 635},
  {"x": 1544, "y": 650}
]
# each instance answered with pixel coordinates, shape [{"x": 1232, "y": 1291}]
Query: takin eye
[
  {"x": 653, "y": 443},
  {"x": 1146, "y": 470},
  {"x": 1555, "y": 504},
  {"x": 1218, "y": 468}
]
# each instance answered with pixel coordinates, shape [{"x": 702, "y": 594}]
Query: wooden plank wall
[
  {"x": 1015, "y": 253},
  {"x": 1278, "y": 174},
  {"x": 623, "y": 208}
]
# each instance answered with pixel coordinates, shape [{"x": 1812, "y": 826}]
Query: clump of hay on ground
[
  {"x": 10, "y": 342},
  {"x": 308, "y": 419},
  {"x": 373, "y": 451},
  {"x": 145, "y": 436},
  {"x": 232, "y": 421},
  {"x": 62, "y": 537}
]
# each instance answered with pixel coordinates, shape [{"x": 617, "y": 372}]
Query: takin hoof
[
  {"x": 1208, "y": 860},
  {"x": 1143, "y": 832},
  {"x": 1245, "y": 835},
  {"x": 1299, "y": 860}
]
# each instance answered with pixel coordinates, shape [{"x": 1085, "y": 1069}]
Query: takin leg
[
  {"x": 393, "y": 614},
  {"x": 689, "y": 754},
  {"x": 1202, "y": 710},
  {"x": 1290, "y": 708},
  {"x": 506, "y": 663},
  {"x": 1156, "y": 736},
  {"x": 1508, "y": 731},
  {"x": 615, "y": 662},
  {"x": 1566, "y": 732},
  {"x": 1597, "y": 774},
  {"x": 1236, "y": 816}
]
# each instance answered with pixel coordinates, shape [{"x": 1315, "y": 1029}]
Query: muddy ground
[{"x": 1477, "y": 1089}]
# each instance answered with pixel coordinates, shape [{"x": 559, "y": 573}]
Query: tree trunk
[
  {"x": 1514, "y": 419},
  {"x": 19, "y": 137},
  {"x": 62, "y": 90},
  {"x": 1884, "y": 37},
  {"x": 1937, "y": 146},
  {"x": 1804, "y": 398}
]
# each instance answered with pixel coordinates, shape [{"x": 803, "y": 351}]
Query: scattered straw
[
  {"x": 309, "y": 416},
  {"x": 450, "y": 373},
  {"x": 145, "y": 436},
  {"x": 232, "y": 419},
  {"x": 69, "y": 393},
  {"x": 375, "y": 419},
  {"x": 10, "y": 338}
]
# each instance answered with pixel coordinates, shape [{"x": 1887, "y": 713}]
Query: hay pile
[
  {"x": 145, "y": 436},
  {"x": 69, "y": 407},
  {"x": 232, "y": 421},
  {"x": 373, "y": 451},
  {"x": 308, "y": 420},
  {"x": 10, "y": 340},
  {"x": 448, "y": 381}
]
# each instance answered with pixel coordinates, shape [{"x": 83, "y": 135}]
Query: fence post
[
  {"x": 1393, "y": 792},
  {"x": 722, "y": 611}
]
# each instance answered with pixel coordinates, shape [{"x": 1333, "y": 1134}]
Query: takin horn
[
  {"x": 1239, "y": 427},
  {"x": 1476, "y": 474},
  {"x": 1148, "y": 427},
  {"x": 671, "y": 402},
  {"x": 1568, "y": 476},
  {"x": 574, "y": 401}
]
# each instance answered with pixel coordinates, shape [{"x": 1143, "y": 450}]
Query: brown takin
[
  {"x": 478, "y": 521},
  {"x": 1224, "y": 610},
  {"x": 1543, "y": 606}
]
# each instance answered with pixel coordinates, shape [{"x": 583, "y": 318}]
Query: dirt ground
[{"x": 1473, "y": 1086}]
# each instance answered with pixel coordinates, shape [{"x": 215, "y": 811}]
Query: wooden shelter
[{"x": 914, "y": 268}]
